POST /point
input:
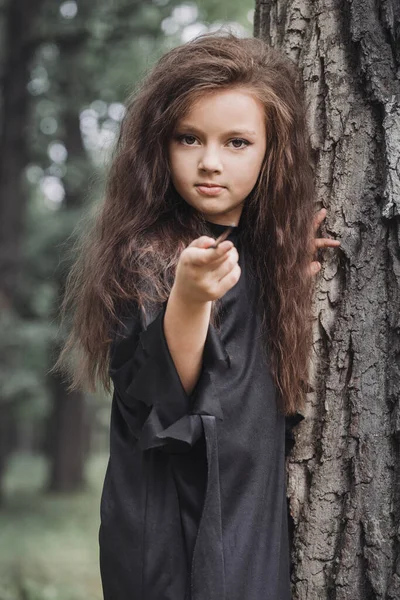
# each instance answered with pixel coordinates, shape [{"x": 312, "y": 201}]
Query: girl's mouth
[{"x": 210, "y": 190}]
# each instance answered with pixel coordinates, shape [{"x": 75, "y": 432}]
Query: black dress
[{"x": 194, "y": 499}]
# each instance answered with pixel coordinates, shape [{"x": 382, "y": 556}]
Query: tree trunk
[
  {"x": 13, "y": 143},
  {"x": 70, "y": 426},
  {"x": 19, "y": 18},
  {"x": 344, "y": 472},
  {"x": 67, "y": 439}
]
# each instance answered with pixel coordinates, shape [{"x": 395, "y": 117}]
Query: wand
[{"x": 222, "y": 237}]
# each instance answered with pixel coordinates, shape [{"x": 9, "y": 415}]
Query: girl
[{"x": 207, "y": 345}]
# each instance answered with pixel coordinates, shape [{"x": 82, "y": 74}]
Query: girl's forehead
[
  {"x": 223, "y": 95},
  {"x": 237, "y": 107}
]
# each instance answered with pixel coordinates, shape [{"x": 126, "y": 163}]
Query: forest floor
[{"x": 49, "y": 542}]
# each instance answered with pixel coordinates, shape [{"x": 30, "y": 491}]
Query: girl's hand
[
  {"x": 204, "y": 274},
  {"x": 317, "y": 243}
]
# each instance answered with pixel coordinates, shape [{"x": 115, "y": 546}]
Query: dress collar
[{"x": 216, "y": 229}]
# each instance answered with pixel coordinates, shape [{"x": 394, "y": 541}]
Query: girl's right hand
[{"x": 204, "y": 274}]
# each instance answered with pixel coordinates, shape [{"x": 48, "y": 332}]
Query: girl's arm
[
  {"x": 153, "y": 368},
  {"x": 185, "y": 329},
  {"x": 204, "y": 273}
]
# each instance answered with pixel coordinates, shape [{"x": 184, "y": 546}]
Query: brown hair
[{"x": 129, "y": 255}]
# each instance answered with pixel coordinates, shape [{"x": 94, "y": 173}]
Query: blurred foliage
[
  {"x": 86, "y": 58},
  {"x": 49, "y": 548}
]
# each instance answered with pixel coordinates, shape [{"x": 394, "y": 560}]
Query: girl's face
[{"x": 221, "y": 141}]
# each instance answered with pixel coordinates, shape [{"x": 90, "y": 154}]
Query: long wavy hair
[{"x": 129, "y": 255}]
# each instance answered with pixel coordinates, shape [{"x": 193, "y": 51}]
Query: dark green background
[{"x": 66, "y": 69}]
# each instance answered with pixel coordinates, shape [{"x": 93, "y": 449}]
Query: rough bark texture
[{"x": 344, "y": 472}]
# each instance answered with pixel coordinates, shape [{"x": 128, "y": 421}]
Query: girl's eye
[
  {"x": 241, "y": 142},
  {"x": 185, "y": 137},
  {"x": 181, "y": 138}
]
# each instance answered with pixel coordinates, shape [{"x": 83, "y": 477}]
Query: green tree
[{"x": 18, "y": 23}]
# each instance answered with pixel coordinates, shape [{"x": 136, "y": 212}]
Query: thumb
[{"x": 202, "y": 242}]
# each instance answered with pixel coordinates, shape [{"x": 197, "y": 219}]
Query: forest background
[{"x": 66, "y": 69}]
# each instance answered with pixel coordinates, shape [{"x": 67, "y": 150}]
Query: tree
[
  {"x": 344, "y": 472},
  {"x": 19, "y": 19},
  {"x": 69, "y": 429}
]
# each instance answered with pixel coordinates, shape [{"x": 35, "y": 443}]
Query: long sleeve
[{"x": 148, "y": 389}]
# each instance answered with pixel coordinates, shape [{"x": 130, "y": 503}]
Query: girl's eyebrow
[{"x": 233, "y": 132}]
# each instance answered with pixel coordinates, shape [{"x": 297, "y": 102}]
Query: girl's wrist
[{"x": 188, "y": 302}]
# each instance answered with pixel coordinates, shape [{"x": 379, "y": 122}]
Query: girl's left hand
[{"x": 317, "y": 243}]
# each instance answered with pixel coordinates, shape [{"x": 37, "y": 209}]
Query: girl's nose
[{"x": 210, "y": 160}]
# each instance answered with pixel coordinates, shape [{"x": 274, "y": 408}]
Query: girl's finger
[
  {"x": 222, "y": 247},
  {"x": 202, "y": 255},
  {"x": 207, "y": 242},
  {"x": 326, "y": 243},
  {"x": 231, "y": 278},
  {"x": 232, "y": 256},
  {"x": 202, "y": 242},
  {"x": 214, "y": 255},
  {"x": 315, "y": 267},
  {"x": 318, "y": 218}
]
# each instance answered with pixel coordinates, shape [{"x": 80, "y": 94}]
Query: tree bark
[
  {"x": 69, "y": 431},
  {"x": 19, "y": 19},
  {"x": 344, "y": 472},
  {"x": 19, "y": 16},
  {"x": 67, "y": 438}
]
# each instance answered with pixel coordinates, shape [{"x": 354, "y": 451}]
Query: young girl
[{"x": 207, "y": 345}]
